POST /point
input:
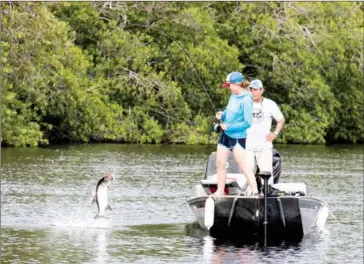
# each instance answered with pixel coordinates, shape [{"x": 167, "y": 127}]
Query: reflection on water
[
  {"x": 47, "y": 215},
  {"x": 219, "y": 251},
  {"x": 95, "y": 240},
  {"x": 102, "y": 255},
  {"x": 58, "y": 245}
]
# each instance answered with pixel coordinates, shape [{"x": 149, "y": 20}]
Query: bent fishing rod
[{"x": 203, "y": 84}]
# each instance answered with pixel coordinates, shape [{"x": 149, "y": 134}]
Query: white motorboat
[{"x": 285, "y": 212}]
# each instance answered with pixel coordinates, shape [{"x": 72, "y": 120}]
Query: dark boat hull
[{"x": 289, "y": 217}]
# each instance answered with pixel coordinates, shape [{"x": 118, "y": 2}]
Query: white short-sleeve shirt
[{"x": 261, "y": 125}]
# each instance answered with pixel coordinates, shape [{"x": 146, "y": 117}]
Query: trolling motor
[{"x": 265, "y": 175}]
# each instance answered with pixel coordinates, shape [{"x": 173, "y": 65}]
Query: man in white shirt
[{"x": 259, "y": 136}]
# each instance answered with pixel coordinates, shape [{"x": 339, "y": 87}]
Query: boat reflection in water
[{"x": 245, "y": 251}]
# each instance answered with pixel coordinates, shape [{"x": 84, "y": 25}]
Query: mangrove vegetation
[{"x": 151, "y": 72}]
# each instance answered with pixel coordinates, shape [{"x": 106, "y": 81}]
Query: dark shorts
[{"x": 229, "y": 142}]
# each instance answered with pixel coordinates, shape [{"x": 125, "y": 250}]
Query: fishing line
[
  {"x": 337, "y": 221},
  {"x": 151, "y": 178}
]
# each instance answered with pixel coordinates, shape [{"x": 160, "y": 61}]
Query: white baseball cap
[{"x": 256, "y": 84}]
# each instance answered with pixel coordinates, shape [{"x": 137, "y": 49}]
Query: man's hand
[
  {"x": 271, "y": 136},
  {"x": 223, "y": 126},
  {"x": 218, "y": 115}
]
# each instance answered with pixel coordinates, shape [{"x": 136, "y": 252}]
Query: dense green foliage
[{"x": 143, "y": 72}]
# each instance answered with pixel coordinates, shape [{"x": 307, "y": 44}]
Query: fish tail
[{"x": 100, "y": 216}]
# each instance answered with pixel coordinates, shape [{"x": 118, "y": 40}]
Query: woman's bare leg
[
  {"x": 222, "y": 155},
  {"x": 239, "y": 154}
]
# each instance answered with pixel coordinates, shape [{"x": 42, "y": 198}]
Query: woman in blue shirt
[{"x": 235, "y": 120}]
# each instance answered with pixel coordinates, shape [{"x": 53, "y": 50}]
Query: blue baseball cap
[
  {"x": 233, "y": 77},
  {"x": 256, "y": 84}
]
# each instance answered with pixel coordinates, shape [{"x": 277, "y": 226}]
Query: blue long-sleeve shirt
[{"x": 238, "y": 115}]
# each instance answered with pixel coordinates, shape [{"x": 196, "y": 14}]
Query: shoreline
[{"x": 51, "y": 146}]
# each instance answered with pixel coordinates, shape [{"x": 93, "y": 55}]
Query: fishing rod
[{"x": 204, "y": 86}]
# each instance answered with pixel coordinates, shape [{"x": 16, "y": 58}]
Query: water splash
[
  {"x": 80, "y": 218},
  {"x": 82, "y": 222}
]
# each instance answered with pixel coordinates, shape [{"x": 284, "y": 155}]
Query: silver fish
[{"x": 101, "y": 197}]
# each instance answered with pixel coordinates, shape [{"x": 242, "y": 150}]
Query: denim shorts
[{"x": 229, "y": 142}]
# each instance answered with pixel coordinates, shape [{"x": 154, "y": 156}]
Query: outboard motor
[
  {"x": 276, "y": 170},
  {"x": 277, "y": 166}
]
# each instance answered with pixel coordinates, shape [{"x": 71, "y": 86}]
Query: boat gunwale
[{"x": 192, "y": 200}]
